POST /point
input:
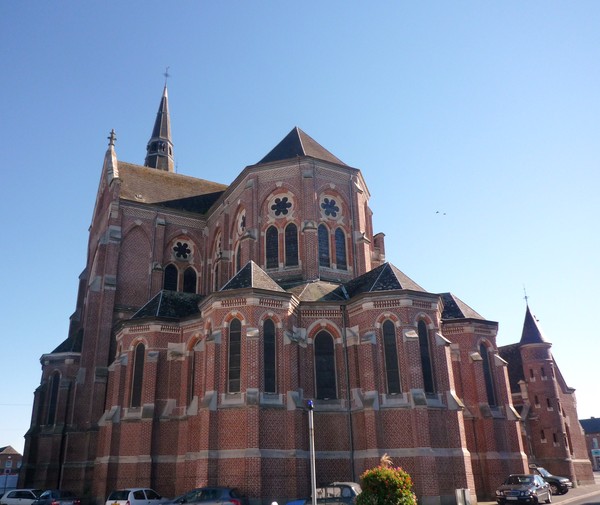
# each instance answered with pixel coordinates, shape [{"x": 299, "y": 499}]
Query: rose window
[
  {"x": 281, "y": 206},
  {"x": 182, "y": 250},
  {"x": 329, "y": 207}
]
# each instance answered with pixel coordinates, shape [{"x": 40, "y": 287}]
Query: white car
[
  {"x": 20, "y": 496},
  {"x": 135, "y": 496}
]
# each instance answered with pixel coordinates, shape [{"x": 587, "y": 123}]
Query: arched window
[
  {"x": 170, "y": 278},
  {"x": 272, "y": 247},
  {"x": 235, "y": 356},
  {"x": 269, "y": 356},
  {"x": 391, "y": 358},
  {"x": 238, "y": 258},
  {"x": 340, "y": 249},
  {"x": 487, "y": 375},
  {"x": 426, "y": 365},
  {"x": 324, "y": 258},
  {"x": 191, "y": 376},
  {"x": 138, "y": 375},
  {"x": 53, "y": 401},
  {"x": 291, "y": 245},
  {"x": 216, "y": 278},
  {"x": 189, "y": 280},
  {"x": 325, "y": 367}
]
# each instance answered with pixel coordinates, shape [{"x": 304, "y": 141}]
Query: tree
[{"x": 386, "y": 485}]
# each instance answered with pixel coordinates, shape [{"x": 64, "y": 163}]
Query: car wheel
[{"x": 554, "y": 488}]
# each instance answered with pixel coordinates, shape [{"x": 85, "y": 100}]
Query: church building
[{"x": 208, "y": 315}]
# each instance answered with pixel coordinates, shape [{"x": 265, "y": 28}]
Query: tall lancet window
[
  {"x": 189, "y": 280},
  {"x": 291, "y": 245},
  {"x": 426, "y": 363},
  {"x": 139, "y": 355},
  {"x": 325, "y": 367},
  {"x": 269, "y": 356},
  {"x": 170, "y": 278},
  {"x": 488, "y": 376},
  {"x": 272, "y": 247},
  {"x": 235, "y": 356},
  {"x": 390, "y": 351},
  {"x": 340, "y": 249},
  {"x": 323, "y": 237}
]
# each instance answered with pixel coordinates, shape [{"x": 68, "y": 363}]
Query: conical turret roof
[{"x": 532, "y": 334}]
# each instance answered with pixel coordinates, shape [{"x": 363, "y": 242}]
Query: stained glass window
[
  {"x": 272, "y": 247},
  {"x": 291, "y": 245},
  {"x": 189, "y": 280},
  {"x": 340, "y": 249},
  {"x": 235, "y": 356},
  {"x": 426, "y": 365},
  {"x": 391, "y": 358},
  {"x": 324, "y": 258},
  {"x": 170, "y": 278},
  {"x": 269, "y": 356},
  {"x": 325, "y": 367}
]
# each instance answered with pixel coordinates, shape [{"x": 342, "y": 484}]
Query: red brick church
[{"x": 208, "y": 315}]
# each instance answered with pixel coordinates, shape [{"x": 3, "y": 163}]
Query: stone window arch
[{"x": 325, "y": 372}]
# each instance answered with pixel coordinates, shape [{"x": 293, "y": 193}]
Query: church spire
[{"x": 159, "y": 151}]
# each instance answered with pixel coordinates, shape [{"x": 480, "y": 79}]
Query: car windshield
[{"x": 519, "y": 479}]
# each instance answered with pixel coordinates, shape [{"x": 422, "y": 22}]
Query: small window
[
  {"x": 531, "y": 373},
  {"x": 272, "y": 247},
  {"x": 554, "y": 438},
  {"x": 543, "y": 372},
  {"x": 488, "y": 375},
  {"x": 53, "y": 403},
  {"x": 542, "y": 435},
  {"x": 536, "y": 401},
  {"x": 426, "y": 362},
  {"x": 170, "y": 278}
]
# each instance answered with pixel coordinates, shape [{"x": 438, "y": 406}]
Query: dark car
[
  {"x": 57, "y": 497},
  {"x": 524, "y": 488},
  {"x": 212, "y": 496},
  {"x": 558, "y": 485}
]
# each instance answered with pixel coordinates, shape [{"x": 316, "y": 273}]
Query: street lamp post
[{"x": 311, "y": 442}]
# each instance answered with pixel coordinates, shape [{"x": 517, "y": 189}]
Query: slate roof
[
  {"x": 532, "y": 334},
  {"x": 149, "y": 185},
  {"x": 297, "y": 143},
  {"x": 317, "y": 291},
  {"x": 385, "y": 277},
  {"x": 455, "y": 308},
  {"x": 590, "y": 425},
  {"x": 170, "y": 305},
  {"x": 252, "y": 276},
  {"x": 71, "y": 344},
  {"x": 512, "y": 355}
]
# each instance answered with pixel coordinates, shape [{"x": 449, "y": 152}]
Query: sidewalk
[{"x": 573, "y": 494}]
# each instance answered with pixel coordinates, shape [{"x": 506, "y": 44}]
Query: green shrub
[{"x": 386, "y": 485}]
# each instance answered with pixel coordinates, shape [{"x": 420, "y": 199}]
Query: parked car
[
  {"x": 20, "y": 496},
  {"x": 524, "y": 488},
  {"x": 57, "y": 497},
  {"x": 558, "y": 485},
  {"x": 211, "y": 496},
  {"x": 135, "y": 496},
  {"x": 335, "y": 493}
]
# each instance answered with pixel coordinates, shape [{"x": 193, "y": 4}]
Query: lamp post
[{"x": 311, "y": 443}]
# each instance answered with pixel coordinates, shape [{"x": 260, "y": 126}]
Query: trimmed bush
[{"x": 386, "y": 485}]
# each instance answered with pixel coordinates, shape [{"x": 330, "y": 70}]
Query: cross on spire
[
  {"x": 526, "y": 298},
  {"x": 167, "y": 75},
  {"x": 112, "y": 138}
]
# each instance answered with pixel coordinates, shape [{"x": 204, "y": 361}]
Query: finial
[
  {"x": 112, "y": 138},
  {"x": 167, "y": 75},
  {"x": 525, "y": 297}
]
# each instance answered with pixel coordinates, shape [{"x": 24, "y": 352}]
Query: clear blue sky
[{"x": 488, "y": 112}]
